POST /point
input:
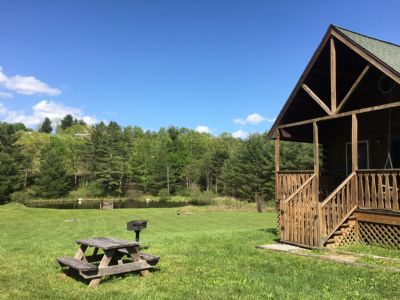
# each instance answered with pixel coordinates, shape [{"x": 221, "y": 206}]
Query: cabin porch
[{"x": 352, "y": 193}]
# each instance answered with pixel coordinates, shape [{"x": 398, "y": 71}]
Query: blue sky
[{"x": 225, "y": 65}]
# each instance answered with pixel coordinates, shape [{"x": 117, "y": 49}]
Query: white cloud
[
  {"x": 253, "y": 119},
  {"x": 6, "y": 95},
  {"x": 203, "y": 129},
  {"x": 50, "y": 109},
  {"x": 240, "y": 134},
  {"x": 26, "y": 85},
  {"x": 3, "y": 109}
]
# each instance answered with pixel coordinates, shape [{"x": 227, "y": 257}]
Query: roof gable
[
  {"x": 383, "y": 55},
  {"x": 386, "y": 52}
]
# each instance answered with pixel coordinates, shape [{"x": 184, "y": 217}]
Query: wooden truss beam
[
  {"x": 353, "y": 87},
  {"x": 316, "y": 99},
  {"x": 344, "y": 114},
  {"x": 370, "y": 58},
  {"x": 333, "y": 76}
]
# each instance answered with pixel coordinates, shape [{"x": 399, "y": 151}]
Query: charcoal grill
[{"x": 137, "y": 226}]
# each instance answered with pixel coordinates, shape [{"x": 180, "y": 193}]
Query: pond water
[{"x": 95, "y": 204}]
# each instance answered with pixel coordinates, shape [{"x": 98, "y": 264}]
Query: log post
[
  {"x": 316, "y": 184},
  {"x": 316, "y": 161},
  {"x": 354, "y": 156},
  {"x": 277, "y": 184}
]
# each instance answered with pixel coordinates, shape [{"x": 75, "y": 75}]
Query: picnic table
[{"x": 118, "y": 256}]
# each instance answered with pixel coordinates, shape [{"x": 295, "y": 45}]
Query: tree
[
  {"x": 250, "y": 170},
  {"x": 67, "y": 122},
  {"x": 31, "y": 145},
  {"x": 11, "y": 174},
  {"x": 107, "y": 152},
  {"x": 52, "y": 180},
  {"x": 46, "y": 126}
]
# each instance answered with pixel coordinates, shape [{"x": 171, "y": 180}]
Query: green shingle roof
[{"x": 386, "y": 52}]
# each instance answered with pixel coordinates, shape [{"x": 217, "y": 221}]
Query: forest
[{"x": 72, "y": 159}]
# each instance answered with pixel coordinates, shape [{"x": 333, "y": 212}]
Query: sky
[{"x": 214, "y": 66}]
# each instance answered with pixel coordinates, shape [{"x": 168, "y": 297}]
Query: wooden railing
[
  {"x": 299, "y": 215},
  {"x": 337, "y": 207},
  {"x": 379, "y": 189},
  {"x": 290, "y": 181}
]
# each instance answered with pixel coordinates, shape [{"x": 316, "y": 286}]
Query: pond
[{"x": 95, "y": 204}]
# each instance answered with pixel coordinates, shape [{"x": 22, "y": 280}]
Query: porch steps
[{"x": 342, "y": 233}]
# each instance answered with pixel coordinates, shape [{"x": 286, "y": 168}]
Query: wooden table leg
[
  {"x": 134, "y": 253},
  {"x": 105, "y": 261},
  {"x": 80, "y": 254}
]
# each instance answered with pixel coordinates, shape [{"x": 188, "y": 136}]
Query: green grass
[{"x": 204, "y": 255}]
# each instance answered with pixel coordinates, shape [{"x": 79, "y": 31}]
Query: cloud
[
  {"x": 240, "y": 134},
  {"x": 3, "y": 109},
  {"x": 6, "y": 95},
  {"x": 203, "y": 129},
  {"x": 253, "y": 119},
  {"x": 50, "y": 109},
  {"x": 26, "y": 85}
]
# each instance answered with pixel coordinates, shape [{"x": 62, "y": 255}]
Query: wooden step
[
  {"x": 330, "y": 241},
  {"x": 352, "y": 218},
  {"x": 339, "y": 232},
  {"x": 68, "y": 261},
  {"x": 345, "y": 225}
]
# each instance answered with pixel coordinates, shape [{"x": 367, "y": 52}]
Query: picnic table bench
[{"x": 119, "y": 256}]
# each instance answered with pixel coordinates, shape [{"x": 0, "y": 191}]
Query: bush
[
  {"x": 20, "y": 197},
  {"x": 163, "y": 195},
  {"x": 199, "y": 197},
  {"x": 91, "y": 190},
  {"x": 194, "y": 193},
  {"x": 132, "y": 194}
]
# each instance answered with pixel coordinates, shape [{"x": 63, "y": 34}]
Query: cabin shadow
[{"x": 273, "y": 231}]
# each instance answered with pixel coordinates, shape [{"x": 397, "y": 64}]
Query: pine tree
[
  {"x": 11, "y": 173},
  {"x": 46, "y": 126},
  {"x": 52, "y": 180},
  {"x": 67, "y": 122}
]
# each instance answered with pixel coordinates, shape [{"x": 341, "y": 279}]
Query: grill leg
[{"x": 137, "y": 235}]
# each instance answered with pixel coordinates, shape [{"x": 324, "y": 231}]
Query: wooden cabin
[{"x": 347, "y": 103}]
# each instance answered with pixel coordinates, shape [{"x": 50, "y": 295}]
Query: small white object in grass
[{"x": 71, "y": 220}]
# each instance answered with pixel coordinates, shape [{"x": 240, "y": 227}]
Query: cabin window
[{"x": 363, "y": 156}]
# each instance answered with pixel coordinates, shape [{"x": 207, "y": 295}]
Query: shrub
[
  {"x": 20, "y": 197},
  {"x": 132, "y": 194},
  {"x": 163, "y": 195},
  {"x": 92, "y": 189}
]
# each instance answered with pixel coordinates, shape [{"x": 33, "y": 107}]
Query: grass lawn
[{"x": 204, "y": 255}]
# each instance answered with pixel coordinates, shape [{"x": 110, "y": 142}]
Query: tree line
[{"x": 111, "y": 160}]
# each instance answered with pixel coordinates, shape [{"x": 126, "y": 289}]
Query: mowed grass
[{"x": 204, "y": 255}]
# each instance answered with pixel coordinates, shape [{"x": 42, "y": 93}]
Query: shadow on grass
[
  {"x": 273, "y": 231},
  {"x": 74, "y": 274}
]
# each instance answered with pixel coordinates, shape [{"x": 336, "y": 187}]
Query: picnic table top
[{"x": 107, "y": 243}]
